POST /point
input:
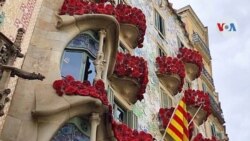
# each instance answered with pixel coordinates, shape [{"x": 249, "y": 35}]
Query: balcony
[
  {"x": 130, "y": 77},
  {"x": 197, "y": 40},
  {"x": 131, "y": 19},
  {"x": 208, "y": 76},
  {"x": 171, "y": 73},
  {"x": 216, "y": 110},
  {"x": 193, "y": 62},
  {"x": 198, "y": 101}
]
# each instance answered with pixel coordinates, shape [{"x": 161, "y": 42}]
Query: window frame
[
  {"x": 161, "y": 52},
  {"x": 130, "y": 118},
  {"x": 83, "y": 51},
  {"x": 179, "y": 42},
  {"x": 159, "y": 24},
  {"x": 165, "y": 96}
]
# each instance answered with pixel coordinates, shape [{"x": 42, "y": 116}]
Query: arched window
[
  {"x": 79, "y": 55},
  {"x": 76, "y": 129}
]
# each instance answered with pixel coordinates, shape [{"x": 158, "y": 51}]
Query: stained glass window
[
  {"x": 78, "y": 57},
  {"x": 76, "y": 129}
]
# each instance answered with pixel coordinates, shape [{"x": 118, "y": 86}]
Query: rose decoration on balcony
[
  {"x": 123, "y": 133},
  {"x": 130, "y": 76},
  {"x": 193, "y": 62},
  {"x": 165, "y": 116},
  {"x": 199, "y": 137},
  {"x": 195, "y": 99},
  {"x": 124, "y": 14},
  {"x": 132, "y": 15},
  {"x": 70, "y": 86},
  {"x": 171, "y": 72}
]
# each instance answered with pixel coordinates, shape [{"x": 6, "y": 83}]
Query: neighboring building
[
  {"x": 198, "y": 34},
  {"x": 60, "y": 40}
]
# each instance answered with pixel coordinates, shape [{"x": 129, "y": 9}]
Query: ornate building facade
[{"x": 110, "y": 70}]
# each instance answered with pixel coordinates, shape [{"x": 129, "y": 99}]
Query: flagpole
[
  {"x": 169, "y": 121},
  {"x": 195, "y": 115}
]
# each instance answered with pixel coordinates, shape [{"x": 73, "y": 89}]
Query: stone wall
[{"x": 18, "y": 14}]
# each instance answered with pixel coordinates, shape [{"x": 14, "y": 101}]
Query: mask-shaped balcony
[
  {"x": 171, "y": 73},
  {"x": 193, "y": 62},
  {"x": 197, "y": 102},
  {"x": 132, "y": 20},
  {"x": 130, "y": 77}
]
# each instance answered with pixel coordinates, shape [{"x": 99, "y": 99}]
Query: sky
[{"x": 230, "y": 59}]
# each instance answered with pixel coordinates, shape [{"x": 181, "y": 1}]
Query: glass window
[
  {"x": 122, "y": 49},
  {"x": 166, "y": 101},
  {"x": 161, "y": 52},
  {"x": 204, "y": 87},
  {"x": 119, "y": 113},
  {"x": 213, "y": 130},
  {"x": 159, "y": 24},
  {"x": 78, "y": 57},
  {"x": 76, "y": 129},
  {"x": 180, "y": 44}
]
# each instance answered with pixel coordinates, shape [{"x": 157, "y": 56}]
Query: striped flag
[{"x": 178, "y": 126}]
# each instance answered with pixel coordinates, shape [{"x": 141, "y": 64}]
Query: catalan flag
[{"x": 178, "y": 126}]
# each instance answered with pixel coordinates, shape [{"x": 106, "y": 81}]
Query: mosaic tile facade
[{"x": 147, "y": 110}]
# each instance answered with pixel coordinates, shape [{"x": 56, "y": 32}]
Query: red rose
[
  {"x": 58, "y": 84},
  {"x": 99, "y": 85},
  {"x": 70, "y": 90}
]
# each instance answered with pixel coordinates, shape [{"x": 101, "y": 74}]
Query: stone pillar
[
  {"x": 99, "y": 62},
  {"x": 95, "y": 120}
]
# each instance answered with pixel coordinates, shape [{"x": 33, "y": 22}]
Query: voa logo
[{"x": 231, "y": 27}]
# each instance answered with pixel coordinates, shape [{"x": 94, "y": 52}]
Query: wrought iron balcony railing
[
  {"x": 204, "y": 47},
  {"x": 216, "y": 110},
  {"x": 208, "y": 76}
]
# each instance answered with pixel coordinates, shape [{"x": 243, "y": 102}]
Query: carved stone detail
[
  {"x": 99, "y": 62},
  {"x": 8, "y": 53},
  {"x": 4, "y": 99}
]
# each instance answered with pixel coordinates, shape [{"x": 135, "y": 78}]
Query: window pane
[
  {"x": 85, "y": 42},
  {"x": 75, "y": 129},
  {"x": 119, "y": 113},
  {"x": 89, "y": 73},
  {"x": 72, "y": 64}
]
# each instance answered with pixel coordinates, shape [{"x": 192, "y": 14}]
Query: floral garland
[
  {"x": 165, "y": 115},
  {"x": 169, "y": 65},
  {"x": 191, "y": 56},
  {"x": 133, "y": 67},
  {"x": 123, "y": 133},
  {"x": 123, "y": 13},
  {"x": 196, "y": 98},
  {"x": 70, "y": 86},
  {"x": 199, "y": 137},
  {"x": 132, "y": 15}
]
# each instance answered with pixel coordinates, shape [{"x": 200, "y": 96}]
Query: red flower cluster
[
  {"x": 132, "y": 15},
  {"x": 196, "y": 98},
  {"x": 191, "y": 56},
  {"x": 70, "y": 86},
  {"x": 169, "y": 65},
  {"x": 123, "y": 133},
  {"x": 165, "y": 115},
  {"x": 133, "y": 67},
  {"x": 199, "y": 137},
  {"x": 123, "y": 13}
]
